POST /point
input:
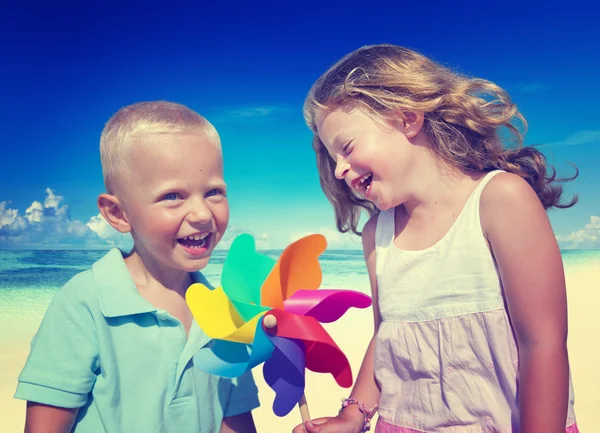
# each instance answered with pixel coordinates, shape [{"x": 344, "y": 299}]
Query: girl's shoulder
[
  {"x": 506, "y": 188},
  {"x": 371, "y": 226},
  {"x": 368, "y": 234},
  {"x": 504, "y": 196}
]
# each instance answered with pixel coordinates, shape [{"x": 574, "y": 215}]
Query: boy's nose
[{"x": 199, "y": 213}]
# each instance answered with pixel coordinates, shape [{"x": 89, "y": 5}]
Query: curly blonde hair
[{"x": 467, "y": 121}]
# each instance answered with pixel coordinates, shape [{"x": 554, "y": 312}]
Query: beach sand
[{"x": 352, "y": 333}]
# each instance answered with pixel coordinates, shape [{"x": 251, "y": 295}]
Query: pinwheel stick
[
  {"x": 270, "y": 322},
  {"x": 304, "y": 409}
]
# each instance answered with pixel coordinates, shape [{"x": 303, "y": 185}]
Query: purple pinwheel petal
[
  {"x": 284, "y": 373},
  {"x": 325, "y": 305}
]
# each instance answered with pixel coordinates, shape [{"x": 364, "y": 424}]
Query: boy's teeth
[
  {"x": 196, "y": 237},
  {"x": 195, "y": 241}
]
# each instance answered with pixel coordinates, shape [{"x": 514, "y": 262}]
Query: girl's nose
[{"x": 341, "y": 169}]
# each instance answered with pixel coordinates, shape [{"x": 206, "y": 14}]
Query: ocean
[{"x": 30, "y": 278}]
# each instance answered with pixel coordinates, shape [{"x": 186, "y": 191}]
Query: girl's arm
[
  {"x": 531, "y": 270},
  {"x": 49, "y": 419},
  {"x": 242, "y": 423},
  {"x": 365, "y": 389}
]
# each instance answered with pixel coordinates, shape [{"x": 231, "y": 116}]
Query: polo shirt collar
[{"x": 117, "y": 294}]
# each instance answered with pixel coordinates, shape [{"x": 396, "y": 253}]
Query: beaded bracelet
[{"x": 367, "y": 413}]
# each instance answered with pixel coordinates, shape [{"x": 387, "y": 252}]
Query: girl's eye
[
  {"x": 346, "y": 149},
  {"x": 213, "y": 192},
  {"x": 171, "y": 196}
]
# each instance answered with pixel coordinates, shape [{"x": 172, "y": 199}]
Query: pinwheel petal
[
  {"x": 223, "y": 358},
  {"x": 322, "y": 354},
  {"x": 297, "y": 268},
  {"x": 229, "y": 359},
  {"x": 325, "y": 305},
  {"x": 244, "y": 271},
  {"x": 247, "y": 311},
  {"x": 217, "y": 316},
  {"x": 284, "y": 373}
]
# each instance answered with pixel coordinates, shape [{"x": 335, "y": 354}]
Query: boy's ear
[
  {"x": 113, "y": 212},
  {"x": 411, "y": 122}
]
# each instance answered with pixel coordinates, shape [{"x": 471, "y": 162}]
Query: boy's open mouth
[{"x": 195, "y": 241}]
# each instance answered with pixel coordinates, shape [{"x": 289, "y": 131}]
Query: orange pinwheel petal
[{"x": 297, "y": 268}]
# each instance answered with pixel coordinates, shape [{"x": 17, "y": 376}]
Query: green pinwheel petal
[
  {"x": 243, "y": 275},
  {"x": 248, "y": 311}
]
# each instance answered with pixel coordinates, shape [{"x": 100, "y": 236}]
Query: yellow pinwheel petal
[{"x": 217, "y": 316}]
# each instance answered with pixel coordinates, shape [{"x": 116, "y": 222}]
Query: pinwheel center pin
[{"x": 270, "y": 321}]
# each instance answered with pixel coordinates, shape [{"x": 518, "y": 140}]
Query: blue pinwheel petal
[
  {"x": 223, "y": 358},
  {"x": 262, "y": 347},
  {"x": 231, "y": 359},
  {"x": 284, "y": 373}
]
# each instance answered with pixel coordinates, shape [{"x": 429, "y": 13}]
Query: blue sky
[{"x": 68, "y": 66}]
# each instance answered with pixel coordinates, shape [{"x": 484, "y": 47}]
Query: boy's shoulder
[{"x": 84, "y": 288}]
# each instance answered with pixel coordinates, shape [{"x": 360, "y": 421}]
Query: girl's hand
[{"x": 339, "y": 424}]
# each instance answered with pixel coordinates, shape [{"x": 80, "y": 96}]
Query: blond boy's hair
[{"x": 145, "y": 119}]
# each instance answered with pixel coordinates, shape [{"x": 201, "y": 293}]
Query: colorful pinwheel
[{"x": 271, "y": 312}]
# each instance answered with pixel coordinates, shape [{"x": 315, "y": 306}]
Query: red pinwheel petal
[{"x": 322, "y": 354}]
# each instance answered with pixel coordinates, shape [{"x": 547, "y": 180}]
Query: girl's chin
[{"x": 383, "y": 205}]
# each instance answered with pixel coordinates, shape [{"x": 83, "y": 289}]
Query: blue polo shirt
[{"x": 127, "y": 365}]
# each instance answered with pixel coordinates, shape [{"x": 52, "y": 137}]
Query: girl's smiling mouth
[{"x": 363, "y": 183}]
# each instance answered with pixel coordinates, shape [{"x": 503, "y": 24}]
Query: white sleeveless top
[{"x": 446, "y": 357}]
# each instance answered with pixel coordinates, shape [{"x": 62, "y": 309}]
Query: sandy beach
[{"x": 352, "y": 334}]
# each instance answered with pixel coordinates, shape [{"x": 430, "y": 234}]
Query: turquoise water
[
  {"x": 29, "y": 279},
  {"x": 50, "y": 269}
]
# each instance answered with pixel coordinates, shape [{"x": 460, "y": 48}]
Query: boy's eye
[
  {"x": 171, "y": 196},
  {"x": 213, "y": 192}
]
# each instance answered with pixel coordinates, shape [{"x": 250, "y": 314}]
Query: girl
[{"x": 466, "y": 275}]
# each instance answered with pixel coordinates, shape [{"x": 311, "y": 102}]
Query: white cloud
[
  {"x": 7, "y": 216},
  {"x": 587, "y": 237},
  {"x": 52, "y": 200},
  {"x": 254, "y": 111},
  {"x": 35, "y": 212},
  {"x": 263, "y": 241},
  {"x": 249, "y": 114},
  {"x": 335, "y": 239},
  {"x": 578, "y": 138},
  {"x": 105, "y": 231},
  {"x": 46, "y": 225},
  {"x": 108, "y": 233}
]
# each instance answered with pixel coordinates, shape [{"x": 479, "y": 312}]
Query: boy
[{"x": 114, "y": 350}]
